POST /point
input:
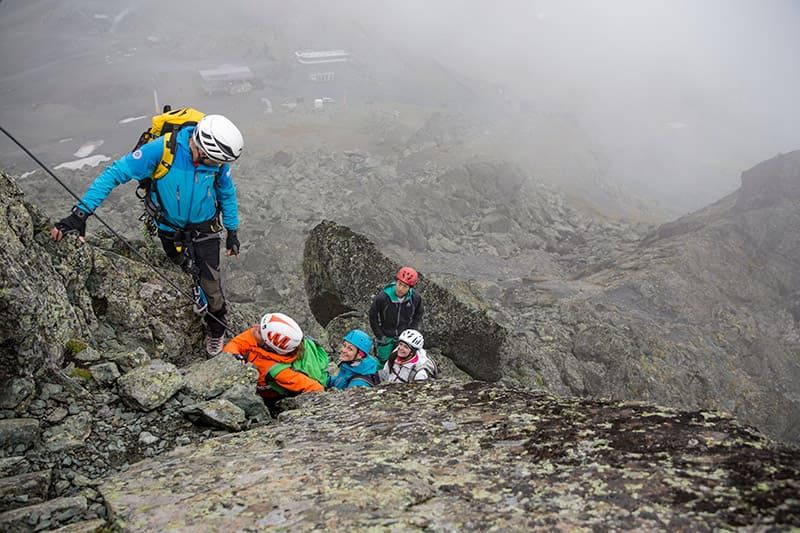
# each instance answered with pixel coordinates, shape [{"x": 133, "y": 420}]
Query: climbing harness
[{"x": 119, "y": 237}]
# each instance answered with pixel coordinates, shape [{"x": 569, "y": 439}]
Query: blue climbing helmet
[{"x": 359, "y": 339}]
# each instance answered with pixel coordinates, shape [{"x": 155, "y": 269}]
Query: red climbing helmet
[{"x": 408, "y": 276}]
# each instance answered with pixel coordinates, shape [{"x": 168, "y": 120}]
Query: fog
[
  {"x": 682, "y": 94},
  {"x": 675, "y": 98}
]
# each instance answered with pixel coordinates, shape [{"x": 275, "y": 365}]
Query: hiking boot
[{"x": 214, "y": 344}]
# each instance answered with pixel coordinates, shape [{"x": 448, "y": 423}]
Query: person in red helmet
[{"x": 396, "y": 308}]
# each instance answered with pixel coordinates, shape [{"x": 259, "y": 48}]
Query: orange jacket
[{"x": 246, "y": 345}]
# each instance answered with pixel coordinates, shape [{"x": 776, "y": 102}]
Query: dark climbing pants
[{"x": 206, "y": 250}]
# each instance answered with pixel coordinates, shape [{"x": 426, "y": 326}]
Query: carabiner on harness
[
  {"x": 150, "y": 214},
  {"x": 200, "y": 305}
]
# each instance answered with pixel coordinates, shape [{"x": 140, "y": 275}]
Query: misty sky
[
  {"x": 679, "y": 95},
  {"x": 693, "y": 91}
]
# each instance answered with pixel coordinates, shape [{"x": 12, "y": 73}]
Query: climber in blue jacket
[
  {"x": 186, "y": 204},
  {"x": 356, "y": 367}
]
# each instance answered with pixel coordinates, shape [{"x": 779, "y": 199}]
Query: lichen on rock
[{"x": 468, "y": 456}]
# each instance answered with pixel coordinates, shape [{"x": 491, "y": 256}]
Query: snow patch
[
  {"x": 87, "y": 148},
  {"x": 131, "y": 119},
  {"x": 26, "y": 174},
  {"x": 118, "y": 20},
  {"x": 92, "y": 161}
]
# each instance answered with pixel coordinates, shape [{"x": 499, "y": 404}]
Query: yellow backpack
[{"x": 166, "y": 125}]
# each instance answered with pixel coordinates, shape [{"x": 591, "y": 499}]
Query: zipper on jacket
[
  {"x": 191, "y": 201},
  {"x": 397, "y": 326}
]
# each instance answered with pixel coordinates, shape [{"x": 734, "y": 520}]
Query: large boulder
[
  {"x": 344, "y": 270},
  {"x": 467, "y": 456},
  {"x": 149, "y": 386},
  {"x": 208, "y": 379}
]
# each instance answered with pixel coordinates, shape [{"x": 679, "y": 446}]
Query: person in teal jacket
[
  {"x": 356, "y": 367},
  {"x": 188, "y": 199},
  {"x": 396, "y": 308}
]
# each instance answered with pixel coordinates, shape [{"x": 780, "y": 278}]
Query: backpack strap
[
  {"x": 371, "y": 379},
  {"x": 274, "y": 370},
  {"x": 396, "y": 373},
  {"x": 170, "y": 145},
  {"x": 167, "y": 155},
  {"x": 144, "y": 138}
]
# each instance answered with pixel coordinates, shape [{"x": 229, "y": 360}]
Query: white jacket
[{"x": 418, "y": 368}]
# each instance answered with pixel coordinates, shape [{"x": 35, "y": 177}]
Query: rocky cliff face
[
  {"x": 705, "y": 312},
  {"x": 89, "y": 342},
  {"x": 52, "y": 292}
]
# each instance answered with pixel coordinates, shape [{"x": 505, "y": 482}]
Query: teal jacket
[{"x": 364, "y": 374}]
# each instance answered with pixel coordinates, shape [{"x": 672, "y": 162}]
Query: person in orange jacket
[{"x": 272, "y": 346}]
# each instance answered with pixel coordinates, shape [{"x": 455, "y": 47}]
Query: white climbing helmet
[
  {"x": 219, "y": 138},
  {"x": 413, "y": 338},
  {"x": 280, "y": 333}
]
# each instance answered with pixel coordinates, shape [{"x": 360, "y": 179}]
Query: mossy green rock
[{"x": 474, "y": 456}]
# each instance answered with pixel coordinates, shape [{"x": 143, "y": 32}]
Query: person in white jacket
[{"x": 408, "y": 362}]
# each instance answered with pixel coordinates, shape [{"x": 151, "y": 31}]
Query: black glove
[
  {"x": 232, "y": 243},
  {"x": 75, "y": 223}
]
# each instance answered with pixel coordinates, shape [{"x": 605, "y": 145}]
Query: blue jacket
[
  {"x": 189, "y": 194},
  {"x": 355, "y": 376}
]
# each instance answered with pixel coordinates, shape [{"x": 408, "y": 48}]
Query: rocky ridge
[
  {"x": 700, "y": 314},
  {"x": 707, "y": 306},
  {"x": 90, "y": 412},
  {"x": 472, "y": 456}
]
